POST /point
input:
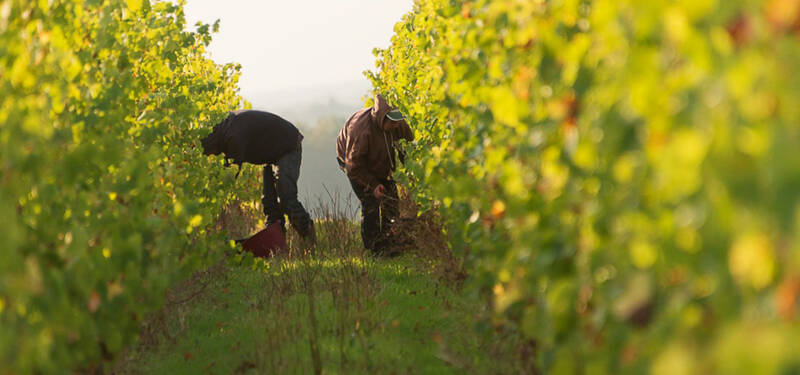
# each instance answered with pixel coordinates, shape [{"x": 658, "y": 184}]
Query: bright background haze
[
  {"x": 299, "y": 51},
  {"x": 303, "y": 60}
]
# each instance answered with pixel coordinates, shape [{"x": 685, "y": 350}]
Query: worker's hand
[{"x": 379, "y": 191}]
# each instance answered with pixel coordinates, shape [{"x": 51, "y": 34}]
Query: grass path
[
  {"x": 333, "y": 311},
  {"x": 317, "y": 314}
]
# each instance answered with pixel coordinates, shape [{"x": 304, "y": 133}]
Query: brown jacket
[{"x": 366, "y": 150}]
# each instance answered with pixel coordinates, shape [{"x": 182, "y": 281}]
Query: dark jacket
[
  {"x": 249, "y": 136},
  {"x": 366, "y": 150}
]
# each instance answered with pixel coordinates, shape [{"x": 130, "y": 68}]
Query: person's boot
[
  {"x": 384, "y": 247},
  {"x": 308, "y": 237},
  {"x": 312, "y": 235}
]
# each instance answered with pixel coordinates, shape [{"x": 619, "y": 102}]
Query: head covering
[
  {"x": 395, "y": 115},
  {"x": 379, "y": 108}
]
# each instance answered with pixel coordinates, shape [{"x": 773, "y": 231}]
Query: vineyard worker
[
  {"x": 259, "y": 137},
  {"x": 365, "y": 150}
]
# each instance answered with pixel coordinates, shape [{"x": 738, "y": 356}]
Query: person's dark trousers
[
  {"x": 279, "y": 194},
  {"x": 377, "y": 216}
]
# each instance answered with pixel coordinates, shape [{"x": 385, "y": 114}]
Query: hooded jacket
[
  {"x": 251, "y": 136},
  {"x": 365, "y": 149}
]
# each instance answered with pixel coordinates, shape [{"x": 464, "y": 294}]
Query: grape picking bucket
[{"x": 266, "y": 243}]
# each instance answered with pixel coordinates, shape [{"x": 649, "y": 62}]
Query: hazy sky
[{"x": 284, "y": 44}]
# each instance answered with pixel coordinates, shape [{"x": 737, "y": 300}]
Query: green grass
[
  {"x": 316, "y": 314},
  {"x": 335, "y": 310}
]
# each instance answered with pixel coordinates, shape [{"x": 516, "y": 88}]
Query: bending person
[{"x": 259, "y": 137}]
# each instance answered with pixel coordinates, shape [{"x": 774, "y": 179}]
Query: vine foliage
[
  {"x": 619, "y": 177},
  {"x": 105, "y": 196}
]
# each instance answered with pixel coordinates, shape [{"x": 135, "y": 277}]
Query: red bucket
[{"x": 267, "y": 243}]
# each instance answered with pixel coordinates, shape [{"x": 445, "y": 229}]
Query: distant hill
[
  {"x": 306, "y": 105},
  {"x": 319, "y": 112}
]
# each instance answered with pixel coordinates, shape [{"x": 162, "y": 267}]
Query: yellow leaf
[
  {"x": 177, "y": 208},
  {"x": 644, "y": 255},
  {"x": 195, "y": 220},
  {"x": 134, "y": 5},
  {"x": 506, "y": 108},
  {"x": 751, "y": 260},
  {"x": 675, "y": 360},
  {"x": 498, "y": 208}
]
